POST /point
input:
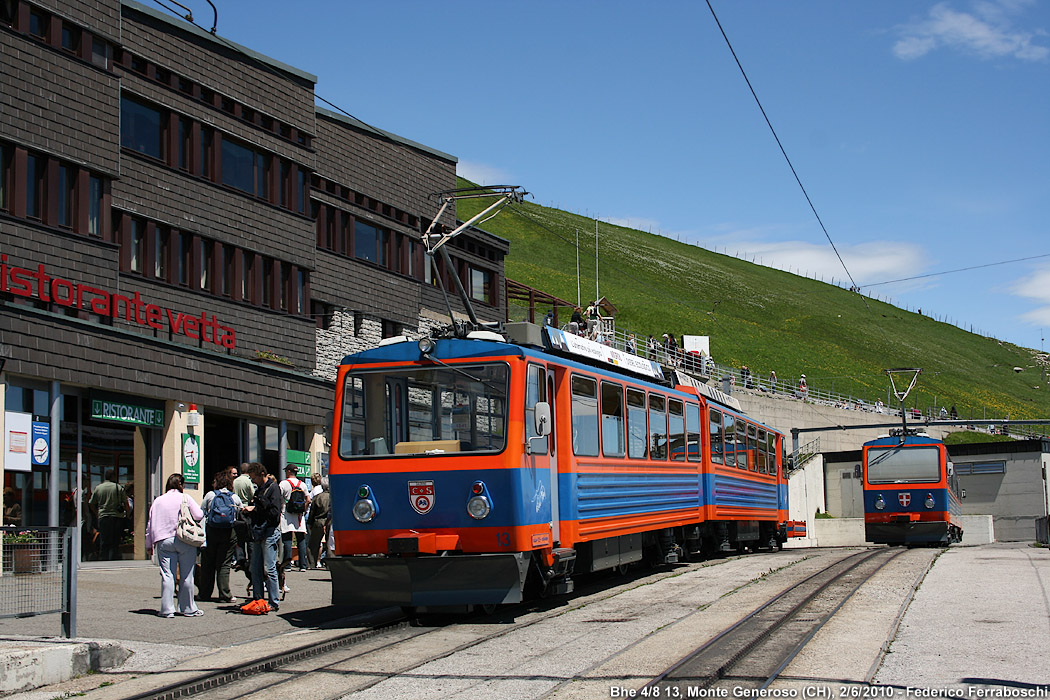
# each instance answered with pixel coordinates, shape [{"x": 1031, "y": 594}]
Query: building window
[
  {"x": 206, "y": 260},
  {"x": 207, "y": 139},
  {"x": 481, "y": 285},
  {"x": 70, "y": 38},
  {"x": 5, "y": 173},
  {"x": 185, "y": 143},
  {"x": 136, "y": 246},
  {"x": 370, "y": 243},
  {"x": 302, "y": 191},
  {"x": 390, "y": 329},
  {"x": 141, "y": 128},
  {"x": 36, "y": 167},
  {"x": 267, "y": 282},
  {"x": 160, "y": 253},
  {"x": 248, "y": 276},
  {"x": 237, "y": 166},
  {"x": 95, "y": 206},
  {"x": 286, "y": 171},
  {"x": 66, "y": 181},
  {"x": 185, "y": 257},
  {"x": 38, "y": 24},
  {"x": 227, "y": 270},
  {"x": 300, "y": 293},
  {"x": 262, "y": 180},
  {"x": 101, "y": 52}
]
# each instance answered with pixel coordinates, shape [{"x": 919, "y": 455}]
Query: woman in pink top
[{"x": 171, "y": 551}]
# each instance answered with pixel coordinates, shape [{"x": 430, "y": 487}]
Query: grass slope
[{"x": 765, "y": 318}]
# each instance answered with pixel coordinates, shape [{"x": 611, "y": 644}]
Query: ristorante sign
[{"x": 24, "y": 282}]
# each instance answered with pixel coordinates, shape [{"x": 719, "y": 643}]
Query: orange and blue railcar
[{"x": 468, "y": 470}]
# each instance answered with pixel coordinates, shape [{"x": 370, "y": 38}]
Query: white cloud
[
  {"x": 482, "y": 174},
  {"x": 868, "y": 263},
  {"x": 1035, "y": 287},
  {"x": 988, "y": 32}
]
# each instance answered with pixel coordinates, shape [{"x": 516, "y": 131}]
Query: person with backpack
[
  {"x": 293, "y": 519},
  {"x": 220, "y": 507}
]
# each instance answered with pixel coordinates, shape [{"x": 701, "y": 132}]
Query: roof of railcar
[
  {"x": 470, "y": 348},
  {"x": 910, "y": 440}
]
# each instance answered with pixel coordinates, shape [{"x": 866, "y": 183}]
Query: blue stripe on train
[{"x": 917, "y": 503}]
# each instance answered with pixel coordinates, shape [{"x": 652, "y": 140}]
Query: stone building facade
[{"x": 189, "y": 248}]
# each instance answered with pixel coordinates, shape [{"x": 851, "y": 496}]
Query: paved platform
[
  {"x": 118, "y": 627},
  {"x": 981, "y": 617}
]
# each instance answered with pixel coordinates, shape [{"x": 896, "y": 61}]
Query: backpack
[
  {"x": 222, "y": 513},
  {"x": 296, "y": 500}
]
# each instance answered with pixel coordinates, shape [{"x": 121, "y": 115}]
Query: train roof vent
[
  {"x": 393, "y": 340},
  {"x": 486, "y": 335}
]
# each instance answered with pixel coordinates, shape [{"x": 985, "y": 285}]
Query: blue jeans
[
  {"x": 173, "y": 553},
  {"x": 264, "y": 567}
]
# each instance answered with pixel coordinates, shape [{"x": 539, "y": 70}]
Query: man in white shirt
[{"x": 293, "y": 517}]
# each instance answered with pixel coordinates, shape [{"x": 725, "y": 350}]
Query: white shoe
[{"x": 286, "y": 589}]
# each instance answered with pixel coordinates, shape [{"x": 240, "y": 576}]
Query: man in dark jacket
[
  {"x": 264, "y": 513},
  {"x": 318, "y": 520}
]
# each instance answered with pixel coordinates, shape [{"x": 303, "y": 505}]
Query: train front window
[
  {"x": 424, "y": 411},
  {"x": 904, "y": 465}
]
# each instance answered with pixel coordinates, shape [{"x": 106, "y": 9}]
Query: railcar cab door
[{"x": 541, "y": 464}]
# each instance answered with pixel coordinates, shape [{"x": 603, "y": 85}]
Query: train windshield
[
  {"x": 904, "y": 465},
  {"x": 431, "y": 410}
]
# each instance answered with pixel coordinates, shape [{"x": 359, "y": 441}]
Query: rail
[
  {"x": 38, "y": 574},
  {"x": 798, "y": 458}
]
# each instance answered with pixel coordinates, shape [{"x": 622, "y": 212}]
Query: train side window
[
  {"x": 657, "y": 427},
  {"x": 352, "y": 432},
  {"x": 760, "y": 453},
  {"x": 535, "y": 392},
  {"x": 771, "y": 451},
  {"x": 715, "y": 433},
  {"x": 676, "y": 430},
  {"x": 612, "y": 420},
  {"x": 741, "y": 444},
  {"x": 637, "y": 433},
  {"x": 584, "y": 416},
  {"x": 752, "y": 447},
  {"x": 729, "y": 439},
  {"x": 692, "y": 432}
]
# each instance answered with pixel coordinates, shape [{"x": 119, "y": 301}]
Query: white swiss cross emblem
[
  {"x": 904, "y": 498},
  {"x": 421, "y": 496}
]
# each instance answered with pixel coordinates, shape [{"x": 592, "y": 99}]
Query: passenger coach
[{"x": 466, "y": 470}]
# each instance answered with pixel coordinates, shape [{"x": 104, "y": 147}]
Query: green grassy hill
[{"x": 765, "y": 318}]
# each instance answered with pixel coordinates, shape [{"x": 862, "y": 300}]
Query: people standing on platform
[
  {"x": 293, "y": 518},
  {"x": 318, "y": 520},
  {"x": 954, "y": 414},
  {"x": 264, "y": 514},
  {"x": 172, "y": 553},
  {"x": 220, "y": 508},
  {"x": 632, "y": 345},
  {"x": 576, "y": 323},
  {"x": 548, "y": 320},
  {"x": 651, "y": 347},
  {"x": 773, "y": 380},
  {"x": 244, "y": 489},
  {"x": 803, "y": 388},
  {"x": 109, "y": 505}
]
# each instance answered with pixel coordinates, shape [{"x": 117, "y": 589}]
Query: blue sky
[{"x": 920, "y": 130}]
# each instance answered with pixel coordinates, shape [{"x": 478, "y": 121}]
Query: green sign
[
  {"x": 299, "y": 457},
  {"x": 129, "y": 414},
  {"x": 191, "y": 459}
]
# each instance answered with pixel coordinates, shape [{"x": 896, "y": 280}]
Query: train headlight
[
  {"x": 365, "y": 509},
  {"x": 478, "y": 505},
  {"x": 930, "y": 503},
  {"x": 879, "y": 503}
]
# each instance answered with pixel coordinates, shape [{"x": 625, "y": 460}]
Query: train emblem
[
  {"x": 421, "y": 496},
  {"x": 904, "y": 498}
]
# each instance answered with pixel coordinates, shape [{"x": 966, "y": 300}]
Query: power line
[
  {"x": 779, "y": 144},
  {"x": 961, "y": 269}
]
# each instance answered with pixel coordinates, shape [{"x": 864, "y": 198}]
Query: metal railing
[
  {"x": 798, "y": 458},
  {"x": 37, "y": 573},
  {"x": 737, "y": 379}
]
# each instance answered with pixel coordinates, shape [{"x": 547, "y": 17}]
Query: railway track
[
  {"x": 754, "y": 651},
  {"x": 523, "y": 647}
]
